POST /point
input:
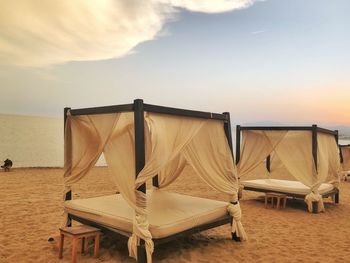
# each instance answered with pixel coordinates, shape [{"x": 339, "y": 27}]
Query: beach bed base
[
  {"x": 141, "y": 251},
  {"x": 334, "y": 194}
]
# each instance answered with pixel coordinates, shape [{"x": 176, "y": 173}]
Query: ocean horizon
[
  {"x": 33, "y": 141},
  {"x": 37, "y": 141}
]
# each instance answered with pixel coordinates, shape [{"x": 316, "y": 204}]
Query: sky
[{"x": 268, "y": 60}]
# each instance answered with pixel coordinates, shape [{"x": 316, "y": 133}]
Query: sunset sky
[{"x": 273, "y": 60}]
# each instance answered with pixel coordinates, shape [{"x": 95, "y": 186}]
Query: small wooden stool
[
  {"x": 278, "y": 197},
  {"x": 77, "y": 232}
]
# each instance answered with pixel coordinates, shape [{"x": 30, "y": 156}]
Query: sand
[{"x": 31, "y": 212}]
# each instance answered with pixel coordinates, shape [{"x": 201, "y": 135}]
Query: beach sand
[{"x": 31, "y": 212}]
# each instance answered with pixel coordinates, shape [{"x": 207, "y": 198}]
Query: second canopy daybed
[
  {"x": 301, "y": 162},
  {"x": 143, "y": 142}
]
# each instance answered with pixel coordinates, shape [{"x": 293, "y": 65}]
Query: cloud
[
  {"x": 209, "y": 6},
  {"x": 258, "y": 32},
  {"x": 43, "y": 33}
]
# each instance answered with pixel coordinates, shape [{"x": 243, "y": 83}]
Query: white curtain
[
  {"x": 329, "y": 167},
  {"x": 295, "y": 152},
  {"x": 172, "y": 171},
  {"x": 346, "y": 158},
  {"x": 85, "y": 138},
  {"x": 210, "y": 156},
  {"x": 256, "y": 146}
]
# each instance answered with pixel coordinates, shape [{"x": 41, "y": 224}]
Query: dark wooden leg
[
  {"x": 97, "y": 245},
  {"x": 235, "y": 237},
  {"x": 336, "y": 198},
  {"x": 74, "y": 249},
  {"x": 83, "y": 245},
  {"x": 60, "y": 253},
  {"x": 240, "y": 193},
  {"x": 69, "y": 221},
  {"x": 141, "y": 254},
  {"x": 278, "y": 202},
  {"x": 315, "y": 207}
]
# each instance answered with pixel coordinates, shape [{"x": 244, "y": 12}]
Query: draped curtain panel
[
  {"x": 329, "y": 167},
  {"x": 168, "y": 136},
  {"x": 295, "y": 152},
  {"x": 172, "y": 171},
  {"x": 85, "y": 139},
  {"x": 278, "y": 170},
  {"x": 210, "y": 156},
  {"x": 346, "y": 158},
  {"x": 201, "y": 144},
  {"x": 256, "y": 146}
]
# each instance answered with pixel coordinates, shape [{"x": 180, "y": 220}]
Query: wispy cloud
[
  {"x": 209, "y": 6},
  {"x": 258, "y": 32},
  {"x": 44, "y": 33}
]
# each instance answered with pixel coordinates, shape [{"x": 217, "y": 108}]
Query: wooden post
[
  {"x": 341, "y": 155},
  {"x": 140, "y": 161},
  {"x": 139, "y": 139},
  {"x": 336, "y": 197},
  {"x": 238, "y": 154},
  {"x": 227, "y": 128},
  {"x": 337, "y": 136},
  {"x": 314, "y": 144},
  {"x": 315, "y": 207},
  {"x": 66, "y": 109},
  {"x": 268, "y": 163},
  {"x": 155, "y": 181},
  {"x": 238, "y": 143},
  {"x": 68, "y": 194},
  {"x": 314, "y": 155},
  {"x": 141, "y": 252}
]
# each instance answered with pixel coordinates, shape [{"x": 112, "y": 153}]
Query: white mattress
[
  {"x": 285, "y": 186},
  {"x": 169, "y": 213}
]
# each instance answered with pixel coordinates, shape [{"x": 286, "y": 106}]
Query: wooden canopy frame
[
  {"x": 314, "y": 129},
  {"x": 138, "y": 107}
]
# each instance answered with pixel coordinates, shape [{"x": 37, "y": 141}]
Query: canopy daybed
[
  {"x": 143, "y": 142},
  {"x": 345, "y": 159},
  {"x": 301, "y": 162}
]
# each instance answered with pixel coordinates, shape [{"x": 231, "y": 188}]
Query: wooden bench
[
  {"x": 278, "y": 198},
  {"x": 76, "y": 233}
]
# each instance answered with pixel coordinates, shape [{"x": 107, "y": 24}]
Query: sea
[
  {"x": 36, "y": 141},
  {"x": 33, "y": 141}
]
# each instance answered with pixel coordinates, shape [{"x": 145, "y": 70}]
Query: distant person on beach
[{"x": 7, "y": 165}]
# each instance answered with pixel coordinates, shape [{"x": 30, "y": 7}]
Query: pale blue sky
[{"x": 277, "y": 60}]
